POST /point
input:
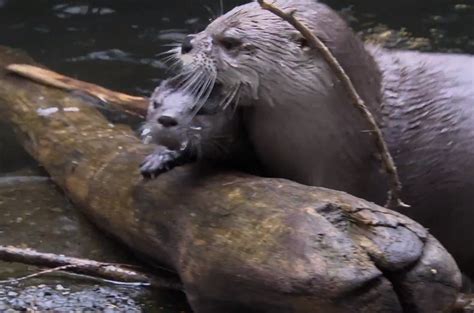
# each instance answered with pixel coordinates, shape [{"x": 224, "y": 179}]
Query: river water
[{"x": 116, "y": 43}]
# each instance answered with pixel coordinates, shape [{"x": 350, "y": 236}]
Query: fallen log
[{"x": 239, "y": 243}]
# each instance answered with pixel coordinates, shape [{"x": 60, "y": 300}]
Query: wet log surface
[{"x": 239, "y": 243}]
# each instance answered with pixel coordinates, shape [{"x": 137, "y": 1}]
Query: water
[{"x": 115, "y": 43}]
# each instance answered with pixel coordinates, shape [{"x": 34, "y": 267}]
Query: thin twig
[
  {"x": 48, "y": 271},
  {"x": 105, "y": 271},
  {"x": 394, "y": 195},
  {"x": 64, "y": 268}
]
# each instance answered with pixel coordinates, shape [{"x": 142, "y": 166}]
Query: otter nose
[
  {"x": 187, "y": 46},
  {"x": 167, "y": 121}
]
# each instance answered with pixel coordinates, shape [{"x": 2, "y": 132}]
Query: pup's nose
[
  {"x": 167, "y": 121},
  {"x": 187, "y": 46}
]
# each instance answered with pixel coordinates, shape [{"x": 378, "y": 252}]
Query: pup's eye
[
  {"x": 156, "y": 104},
  {"x": 230, "y": 43}
]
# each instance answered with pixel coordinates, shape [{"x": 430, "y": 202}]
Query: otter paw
[{"x": 158, "y": 163}]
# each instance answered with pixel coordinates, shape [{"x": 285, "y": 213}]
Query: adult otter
[{"x": 303, "y": 127}]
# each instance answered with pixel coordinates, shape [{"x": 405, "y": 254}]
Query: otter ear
[
  {"x": 299, "y": 40},
  {"x": 303, "y": 43}
]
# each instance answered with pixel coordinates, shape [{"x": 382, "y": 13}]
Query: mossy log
[{"x": 239, "y": 243}]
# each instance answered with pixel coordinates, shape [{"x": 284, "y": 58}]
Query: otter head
[
  {"x": 167, "y": 122},
  {"x": 250, "y": 52},
  {"x": 176, "y": 121},
  {"x": 250, "y": 49}
]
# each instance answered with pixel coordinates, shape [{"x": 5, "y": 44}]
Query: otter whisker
[
  {"x": 211, "y": 80},
  {"x": 183, "y": 78},
  {"x": 174, "y": 51},
  {"x": 185, "y": 74},
  {"x": 198, "y": 83},
  {"x": 205, "y": 86},
  {"x": 221, "y": 3},
  {"x": 193, "y": 81},
  {"x": 229, "y": 97},
  {"x": 199, "y": 89},
  {"x": 232, "y": 97},
  {"x": 175, "y": 64},
  {"x": 225, "y": 99},
  {"x": 202, "y": 87},
  {"x": 236, "y": 101},
  {"x": 204, "y": 94},
  {"x": 173, "y": 44},
  {"x": 170, "y": 58},
  {"x": 213, "y": 15},
  {"x": 192, "y": 78}
]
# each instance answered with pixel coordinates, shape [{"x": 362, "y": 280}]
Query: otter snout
[{"x": 169, "y": 132}]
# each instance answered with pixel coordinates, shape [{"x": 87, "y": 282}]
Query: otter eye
[
  {"x": 230, "y": 43},
  {"x": 300, "y": 41},
  {"x": 156, "y": 104},
  {"x": 303, "y": 43}
]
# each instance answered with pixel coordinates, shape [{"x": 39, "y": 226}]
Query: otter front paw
[{"x": 160, "y": 162}]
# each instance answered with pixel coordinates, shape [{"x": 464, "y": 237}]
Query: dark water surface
[{"x": 116, "y": 43}]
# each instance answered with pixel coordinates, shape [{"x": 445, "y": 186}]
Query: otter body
[
  {"x": 428, "y": 123},
  {"x": 301, "y": 124}
]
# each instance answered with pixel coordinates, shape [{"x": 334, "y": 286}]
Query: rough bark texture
[{"x": 239, "y": 243}]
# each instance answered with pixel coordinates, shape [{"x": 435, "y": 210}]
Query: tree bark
[{"x": 239, "y": 243}]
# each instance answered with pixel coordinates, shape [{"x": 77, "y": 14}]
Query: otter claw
[
  {"x": 164, "y": 160},
  {"x": 158, "y": 163}
]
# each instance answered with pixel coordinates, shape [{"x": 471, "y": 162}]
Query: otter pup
[
  {"x": 185, "y": 133},
  {"x": 301, "y": 125}
]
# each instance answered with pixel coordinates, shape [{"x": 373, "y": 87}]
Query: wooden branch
[
  {"x": 394, "y": 195},
  {"x": 132, "y": 105},
  {"x": 107, "y": 271}
]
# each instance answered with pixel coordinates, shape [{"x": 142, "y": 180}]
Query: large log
[{"x": 239, "y": 243}]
